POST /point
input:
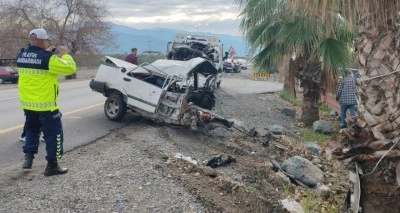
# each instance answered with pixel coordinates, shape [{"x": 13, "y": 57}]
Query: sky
[{"x": 215, "y": 16}]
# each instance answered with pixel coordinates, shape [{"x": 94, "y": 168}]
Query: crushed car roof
[
  {"x": 166, "y": 67},
  {"x": 182, "y": 68}
]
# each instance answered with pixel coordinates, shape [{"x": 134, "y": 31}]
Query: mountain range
[{"x": 156, "y": 39}]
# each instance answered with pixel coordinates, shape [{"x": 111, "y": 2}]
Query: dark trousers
[
  {"x": 24, "y": 129},
  {"x": 50, "y": 124},
  {"x": 23, "y": 134},
  {"x": 343, "y": 110}
]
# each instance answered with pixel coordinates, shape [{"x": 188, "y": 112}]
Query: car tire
[
  {"x": 115, "y": 107},
  {"x": 218, "y": 84}
]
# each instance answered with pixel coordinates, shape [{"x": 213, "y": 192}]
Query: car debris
[
  {"x": 268, "y": 138},
  {"x": 352, "y": 202},
  {"x": 186, "y": 158},
  {"x": 156, "y": 91},
  {"x": 218, "y": 161}
]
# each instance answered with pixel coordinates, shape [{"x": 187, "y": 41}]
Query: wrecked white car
[{"x": 154, "y": 91}]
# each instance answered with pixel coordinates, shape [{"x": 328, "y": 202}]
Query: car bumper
[
  {"x": 228, "y": 70},
  {"x": 98, "y": 86},
  {"x": 9, "y": 78}
]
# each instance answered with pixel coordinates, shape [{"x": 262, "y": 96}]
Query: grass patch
[
  {"x": 308, "y": 134},
  {"x": 250, "y": 189},
  {"x": 311, "y": 202},
  {"x": 324, "y": 108},
  {"x": 285, "y": 96},
  {"x": 287, "y": 188}
]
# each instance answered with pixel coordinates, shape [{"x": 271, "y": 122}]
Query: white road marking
[{"x": 66, "y": 113}]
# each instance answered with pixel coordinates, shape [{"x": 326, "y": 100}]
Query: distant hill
[{"x": 156, "y": 39}]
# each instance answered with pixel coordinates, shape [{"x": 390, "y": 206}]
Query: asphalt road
[{"x": 83, "y": 117}]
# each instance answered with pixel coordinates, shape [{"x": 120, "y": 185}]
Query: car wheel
[
  {"x": 115, "y": 107},
  {"x": 218, "y": 84}
]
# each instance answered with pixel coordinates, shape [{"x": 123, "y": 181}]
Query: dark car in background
[
  {"x": 8, "y": 74},
  {"x": 227, "y": 67}
]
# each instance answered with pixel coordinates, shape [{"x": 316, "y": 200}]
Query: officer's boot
[
  {"x": 28, "y": 161},
  {"x": 53, "y": 168}
]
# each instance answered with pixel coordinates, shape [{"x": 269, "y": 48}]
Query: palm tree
[
  {"x": 376, "y": 135},
  {"x": 273, "y": 29}
]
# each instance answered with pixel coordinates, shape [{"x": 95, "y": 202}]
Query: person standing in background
[
  {"x": 132, "y": 57},
  {"x": 346, "y": 96},
  {"x": 38, "y": 70}
]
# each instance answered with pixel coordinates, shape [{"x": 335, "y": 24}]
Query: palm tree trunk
[
  {"x": 379, "y": 115},
  {"x": 310, "y": 74},
  {"x": 289, "y": 68},
  {"x": 310, "y": 102}
]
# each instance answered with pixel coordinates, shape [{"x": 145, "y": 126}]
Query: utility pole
[{"x": 149, "y": 44}]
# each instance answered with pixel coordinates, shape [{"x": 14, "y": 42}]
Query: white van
[{"x": 242, "y": 62}]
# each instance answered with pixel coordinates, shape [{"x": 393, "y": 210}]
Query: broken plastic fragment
[{"x": 186, "y": 158}]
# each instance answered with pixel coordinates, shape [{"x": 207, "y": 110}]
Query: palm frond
[
  {"x": 266, "y": 59},
  {"x": 273, "y": 29},
  {"x": 376, "y": 12},
  {"x": 334, "y": 53},
  {"x": 299, "y": 32}
]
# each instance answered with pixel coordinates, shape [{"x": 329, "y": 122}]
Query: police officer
[{"x": 38, "y": 68}]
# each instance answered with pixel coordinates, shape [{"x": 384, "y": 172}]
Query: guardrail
[{"x": 263, "y": 76}]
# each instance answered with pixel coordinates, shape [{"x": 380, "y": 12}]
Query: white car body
[{"x": 153, "y": 90}]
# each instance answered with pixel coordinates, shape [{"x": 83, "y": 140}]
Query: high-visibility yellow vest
[{"x": 38, "y": 72}]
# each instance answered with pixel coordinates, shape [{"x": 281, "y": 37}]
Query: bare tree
[{"x": 77, "y": 24}]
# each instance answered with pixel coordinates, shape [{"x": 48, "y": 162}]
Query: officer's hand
[
  {"x": 62, "y": 50},
  {"x": 51, "y": 48}
]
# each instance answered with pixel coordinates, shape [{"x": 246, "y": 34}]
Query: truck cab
[{"x": 184, "y": 47}]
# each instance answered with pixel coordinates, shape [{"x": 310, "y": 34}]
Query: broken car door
[{"x": 142, "y": 93}]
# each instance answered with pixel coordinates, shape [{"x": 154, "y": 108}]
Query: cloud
[{"x": 216, "y": 16}]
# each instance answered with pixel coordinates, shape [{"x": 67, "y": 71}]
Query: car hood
[
  {"x": 123, "y": 64},
  {"x": 118, "y": 62}
]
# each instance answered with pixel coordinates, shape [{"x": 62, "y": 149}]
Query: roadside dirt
[{"x": 136, "y": 169}]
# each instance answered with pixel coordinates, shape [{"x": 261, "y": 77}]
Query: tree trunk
[
  {"x": 289, "y": 67},
  {"x": 309, "y": 73},
  {"x": 310, "y": 102},
  {"x": 377, "y": 129}
]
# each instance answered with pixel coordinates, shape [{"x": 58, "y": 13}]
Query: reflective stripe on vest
[
  {"x": 31, "y": 71},
  {"x": 38, "y": 105}
]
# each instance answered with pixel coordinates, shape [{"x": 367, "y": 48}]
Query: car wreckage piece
[
  {"x": 158, "y": 91},
  {"x": 352, "y": 201}
]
